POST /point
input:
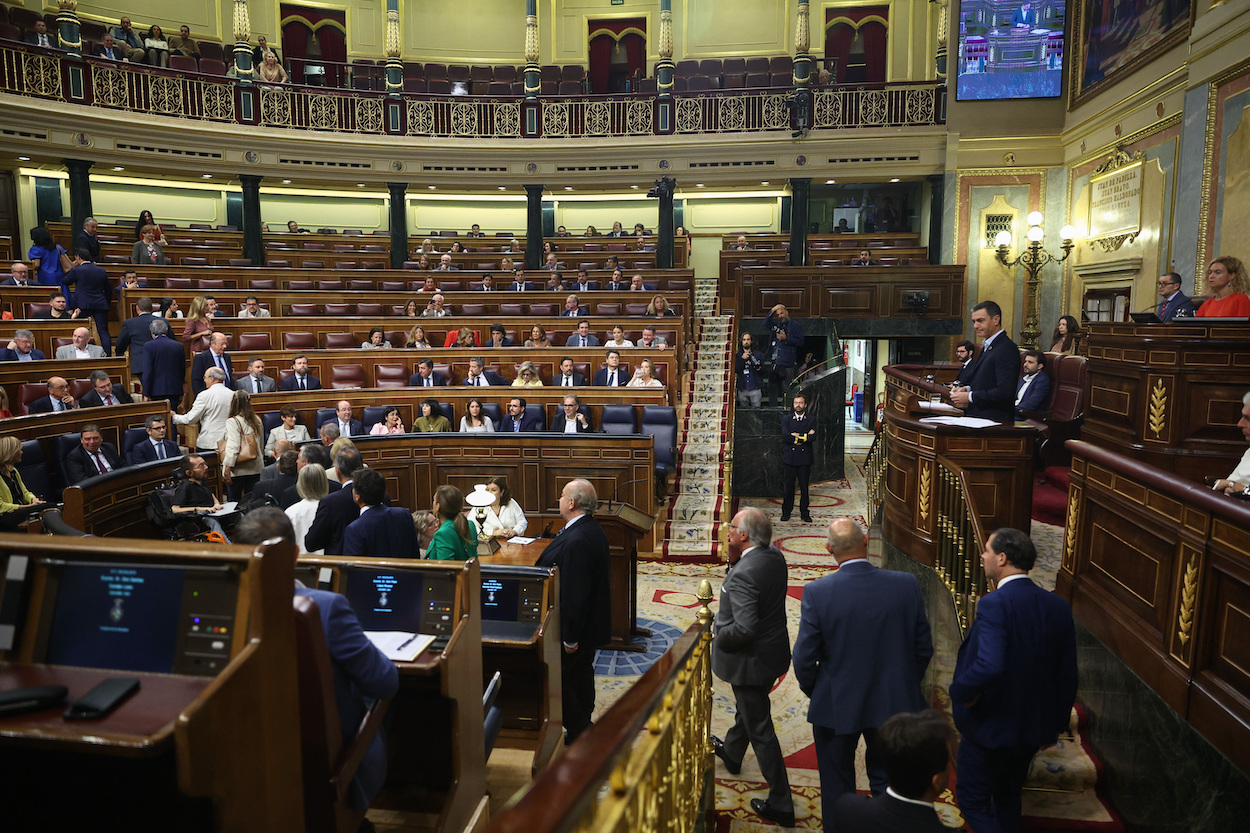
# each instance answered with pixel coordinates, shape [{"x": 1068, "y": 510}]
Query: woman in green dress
[
  {"x": 456, "y": 538},
  {"x": 432, "y": 420}
]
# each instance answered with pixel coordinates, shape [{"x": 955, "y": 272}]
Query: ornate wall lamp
[{"x": 1033, "y": 258}]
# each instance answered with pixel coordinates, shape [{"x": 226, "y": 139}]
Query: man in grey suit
[
  {"x": 862, "y": 649},
  {"x": 751, "y": 649},
  {"x": 256, "y": 381},
  {"x": 82, "y": 348}
]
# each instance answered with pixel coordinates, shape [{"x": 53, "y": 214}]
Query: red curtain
[
  {"x": 841, "y": 26},
  {"x": 300, "y": 24},
  {"x": 630, "y": 32}
]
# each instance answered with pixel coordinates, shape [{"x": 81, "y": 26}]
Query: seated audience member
[
  {"x": 474, "y": 421},
  {"x": 639, "y": 229},
  {"x": 659, "y": 308},
  {"x": 192, "y": 497},
  {"x": 362, "y": 673},
  {"x": 527, "y": 376},
  {"x": 650, "y": 339},
  {"x": 40, "y": 36},
  {"x": 183, "y": 44},
  {"x": 417, "y": 339},
  {"x": 519, "y": 283},
  {"x": 1239, "y": 479},
  {"x": 17, "y": 503},
  {"x": 538, "y": 337},
  {"x": 1226, "y": 278},
  {"x": 376, "y": 340},
  {"x": 741, "y": 245},
  {"x": 21, "y": 348},
  {"x": 582, "y": 338},
  {"x": 506, "y": 265},
  {"x": 618, "y": 282},
  {"x": 864, "y": 259},
  {"x": 572, "y": 307},
  {"x": 488, "y": 283},
  {"x": 570, "y": 419},
  {"x": 427, "y": 247},
  {"x": 1172, "y": 302},
  {"x": 412, "y": 309},
  {"x": 462, "y": 337},
  {"x": 432, "y": 420},
  {"x": 644, "y": 376},
  {"x": 551, "y": 264},
  {"x": 237, "y": 474},
  {"x": 270, "y": 71},
  {"x": 480, "y": 377},
  {"x": 430, "y": 284},
  {"x": 19, "y": 275},
  {"x": 426, "y": 376},
  {"x": 914, "y": 750},
  {"x": 555, "y": 282},
  {"x": 583, "y": 282},
  {"x": 445, "y": 264},
  {"x": 312, "y": 485},
  {"x": 498, "y": 336},
  {"x": 290, "y": 430},
  {"x": 58, "y": 307},
  {"x": 504, "y": 517},
  {"x": 641, "y": 244},
  {"x": 618, "y": 339},
  {"x": 347, "y": 426},
  {"x": 517, "y": 420},
  {"x": 301, "y": 379},
  {"x": 156, "y": 446},
  {"x": 1033, "y": 389},
  {"x": 156, "y": 47},
  {"x": 964, "y": 351},
  {"x": 103, "y": 393},
  {"x": 636, "y": 284},
  {"x": 58, "y": 399},
  {"x": 253, "y": 309},
  {"x": 128, "y": 40},
  {"x": 293, "y": 228},
  {"x": 591, "y": 231},
  {"x": 568, "y": 377},
  {"x": 380, "y": 531},
  {"x": 1066, "y": 338},
  {"x": 5, "y": 413},
  {"x": 81, "y": 347},
  {"x": 256, "y": 381},
  {"x": 168, "y": 309},
  {"x": 146, "y": 250},
  {"x": 561, "y": 231},
  {"x": 613, "y": 375},
  {"x": 436, "y": 307},
  {"x": 475, "y": 231},
  {"x": 110, "y": 51},
  {"x": 90, "y": 457},
  {"x": 390, "y": 424},
  {"x": 423, "y": 263},
  {"x": 617, "y": 230},
  {"x": 456, "y": 538}
]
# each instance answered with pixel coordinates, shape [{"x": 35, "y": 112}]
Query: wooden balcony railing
[{"x": 960, "y": 539}]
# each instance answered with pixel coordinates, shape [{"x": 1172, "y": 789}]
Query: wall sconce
[{"x": 1033, "y": 258}]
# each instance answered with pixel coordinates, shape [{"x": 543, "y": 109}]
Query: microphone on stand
[{"x": 619, "y": 486}]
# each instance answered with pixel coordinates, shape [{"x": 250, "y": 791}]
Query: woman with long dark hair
[
  {"x": 456, "y": 538},
  {"x": 241, "y": 475},
  {"x": 1067, "y": 336}
]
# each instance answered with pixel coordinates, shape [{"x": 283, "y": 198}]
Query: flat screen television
[{"x": 1010, "y": 49}]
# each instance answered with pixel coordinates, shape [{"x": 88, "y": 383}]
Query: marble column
[
  {"x": 391, "y": 43},
  {"x": 800, "y": 188},
  {"x": 242, "y": 48},
  {"x": 664, "y": 67},
  {"x": 253, "y": 236},
  {"x": 68, "y": 28},
  {"x": 533, "y": 226},
  {"x": 79, "y": 194},
  {"x": 533, "y": 73},
  {"x": 802, "y": 42},
  {"x": 399, "y": 224},
  {"x": 664, "y": 249},
  {"x": 937, "y": 194}
]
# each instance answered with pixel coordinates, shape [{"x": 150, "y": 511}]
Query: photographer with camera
[
  {"x": 748, "y": 367},
  {"x": 787, "y": 339}
]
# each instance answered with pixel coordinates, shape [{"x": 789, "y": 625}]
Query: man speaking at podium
[{"x": 989, "y": 383}]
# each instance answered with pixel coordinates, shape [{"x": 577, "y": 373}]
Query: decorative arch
[
  {"x": 859, "y": 39},
  {"x": 309, "y": 33},
  {"x": 603, "y": 38}
]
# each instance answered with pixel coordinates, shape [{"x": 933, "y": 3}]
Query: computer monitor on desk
[
  {"x": 512, "y": 601},
  {"x": 410, "y": 600}
]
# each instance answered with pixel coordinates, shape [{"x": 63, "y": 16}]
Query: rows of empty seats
[{"x": 728, "y": 74}]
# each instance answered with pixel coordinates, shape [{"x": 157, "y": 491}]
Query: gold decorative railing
[
  {"x": 876, "y": 465},
  {"x": 960, "y": 541},
  {"x": 39, "y": 74},
  {"x": 646, "y": 765}
]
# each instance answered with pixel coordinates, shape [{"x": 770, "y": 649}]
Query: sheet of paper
[
  {"x": 400, "y": 646},
  {"x": 965, "y": 421},
  {"x": 226, "y": 508},
  {"x": 517, "y": 539}
]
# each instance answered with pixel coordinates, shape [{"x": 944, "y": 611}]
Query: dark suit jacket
[
  {"x": 752, "y": 643},
  {"x": 91, "y": 399},
  {"x": 42, "y": 405},
  {"x": 145, "y": 452},
  {"x": 275, "y": 486},
  {"x": 515, "y": 287},
  {"x": 1037, "y": 397},
  {"x": 89, "y": 242},
  {"x": 382, "y": 532},
  {"x": 289, "y": 383},
  {"x": 79, "y": 465},
  {"x": 53, "y": 42},
  {"x": 601, "y": 377},
  {"x": 1019, "y": 663},
  {"x": 862, "y": 648},
  {"x": 362, "y": 674},
  {"x": 575, "y": 340},
  {"x": 415, "y": 380},
  {"x": 289, "y": 496},
  {"x": 7, "y": 355},
  {"x": 116, "y": 56},
  {"x": 203, "y": 361},
  {"x": 579, "y": 380},
  {"x": 992, "y": 379},
  {"x": 528, "y": 423},
  {"x": 507, "y": 342},
  {"x": 334, "y": 512},
  {"x": 1180, "y": 301},
  {"x": 580, "y": 312},
  {"x": 796, "y": 453},
  {"x": 492, "y": 378},
  {"x": 557, "y": 424},
  {"x": 581, "y": 553},
  {"x": 884, "y": 814},
  {"x": 94, "y": 291},
  {"x": 135, "y": 334},
  {"x": 164, "y": 367}
]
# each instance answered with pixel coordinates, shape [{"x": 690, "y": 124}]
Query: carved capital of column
[
  {"x": 531, "y": 38},
  {"x": 666, "y": 33},
  {"x": 391, "y": 43},
  {"x": 242, "y": 21},
  {"x": 943, "y": 27},
  {"x": 67, "y": 5},
  {"x": 802, "y": 36}
]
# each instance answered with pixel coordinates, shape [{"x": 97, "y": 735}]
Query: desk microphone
[
  {"x": 617, "y": 490},
  {"x": 546, "y": 533}
]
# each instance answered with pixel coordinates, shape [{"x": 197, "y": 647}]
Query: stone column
[
  {"x": 664, "y": 67},
  {"x": 799, "y": 191},
  {"x": 253, "y": 236},
  {"x": 533, "y": 226},
  {"x": 68, "y": 28},
  {"x": 394, "y": 68},
  {"x": 399, "y": 224},
  {"x": 937, "y": 194},
  {"x": 533, "y": 73},
  {"x": 943, "y": 34},
  {"x": 242, "y": 49},
  {"x": 802, "y": 42},
  {"x": 79, "y": 195}
]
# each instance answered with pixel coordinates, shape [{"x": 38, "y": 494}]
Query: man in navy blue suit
[
  {"x": 1033, "y": 389},
  {"x": 348, "y": 427},
  {"x": 156, "y": 446},
  {"x": 862, "y": 649},
  {"x": 1171, "y": 299},
  {"x": 426, "y": 377},
  {"x": 1014, "y": 684},
  {"x": 480, "y": 377},
  {"x": 380, "y": 531},
  {"x": 93, "y": 294},
  {"x": 135, "y": 334},
  {"x": 517, "y": 420},
  {"x": 362, "y": 673},
  {"x": 164, "y": 364},
  {"x": 214, "y": 356},
  {"x": 613, "y": 375},
  {"x": 337, "y": 509},
  {"x": 301, "y": 379},
  {"x": 582, "y": 338},
  {"x": 519, "y": 284},
  {"x": 989, "y": 384}
]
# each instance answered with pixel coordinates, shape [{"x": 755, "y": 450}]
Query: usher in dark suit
[
  {"x": 580, "y": 550},
  {"x": 796, "y": 462},
  {"x": 862, "y": 649},
  {"x": 992, "y": 379},
  {"x": 382, "y": 532}
]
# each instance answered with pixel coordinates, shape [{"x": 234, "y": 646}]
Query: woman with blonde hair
[
  {"x": 243, "y": 428},
  {"x": 199, "y": 318},
  {"x": 17, "y": 503},
  {"x": 527, "y": 376},
  {"x": 1226, "y": 278},
  {"x": 538, "y": 337},
  {"x": 426, "y": 523},
  {"x": 311, "y": 485},
  {"x": 417, "y": 339},
  {"x": 659, "y": 308},
  {"x": 456, "y": 538},
  {"x": 644, "y": 377}
]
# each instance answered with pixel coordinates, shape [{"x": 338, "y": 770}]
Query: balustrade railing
[
  {"x": 161, "y": 92},
  {"x": 960, "y": 540},
  {"x": 876, "y": 465}
]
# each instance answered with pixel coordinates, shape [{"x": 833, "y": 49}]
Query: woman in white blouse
[
  {"x": 474, "y": 421},
  {"x": 618, "y": 339},
  {"x": 504, "y": 518},
  {"x": 645, "y": 376},
  {"x": 288, "y": 430},
  {"x": 311, "y": 486}
]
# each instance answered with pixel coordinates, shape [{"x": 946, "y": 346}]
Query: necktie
[
  {"x": 568, "y": 381},
  {"x": 109, "y": 400},
  {"x": 303, "y": 385},
  {"x": 99, "y": 462},
  {"x": 58, "y": 406},
  {"x": 256, "y": 382},
  {"x": 583, "y": 341},
  {"x": 221, "y": 361},
  {"x": 160, "y": 451},
  {"x": 479, "y": 381},
  {"x": 43, "y": 40},
  {"x": 612, "y": 378}
]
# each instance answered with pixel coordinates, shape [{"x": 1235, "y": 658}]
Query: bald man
[{"x": 81, "y": 348}]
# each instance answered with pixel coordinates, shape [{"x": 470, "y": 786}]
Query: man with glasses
[
  {"x": 1172, "y": 300},
  {"x": 19, "y": 275},
  {"x": 253, "y": 309},
  {"x": 58, "y": 399},
  {"x": 517, "y": 420},
  {"x": 103, "y": 392},
  {"x": 21, "y": 348},
  {"x": 156, "y": 446}
]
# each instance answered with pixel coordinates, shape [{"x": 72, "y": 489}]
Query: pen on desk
[{"x": 407, "y": 642}]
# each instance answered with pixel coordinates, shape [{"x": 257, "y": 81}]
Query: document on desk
[
  {"x": 965, "y": 421},
  {"x": 226, "y": 508},
  {"x": 400, "y": 646},
  {"x": 517, "y": 539}
]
